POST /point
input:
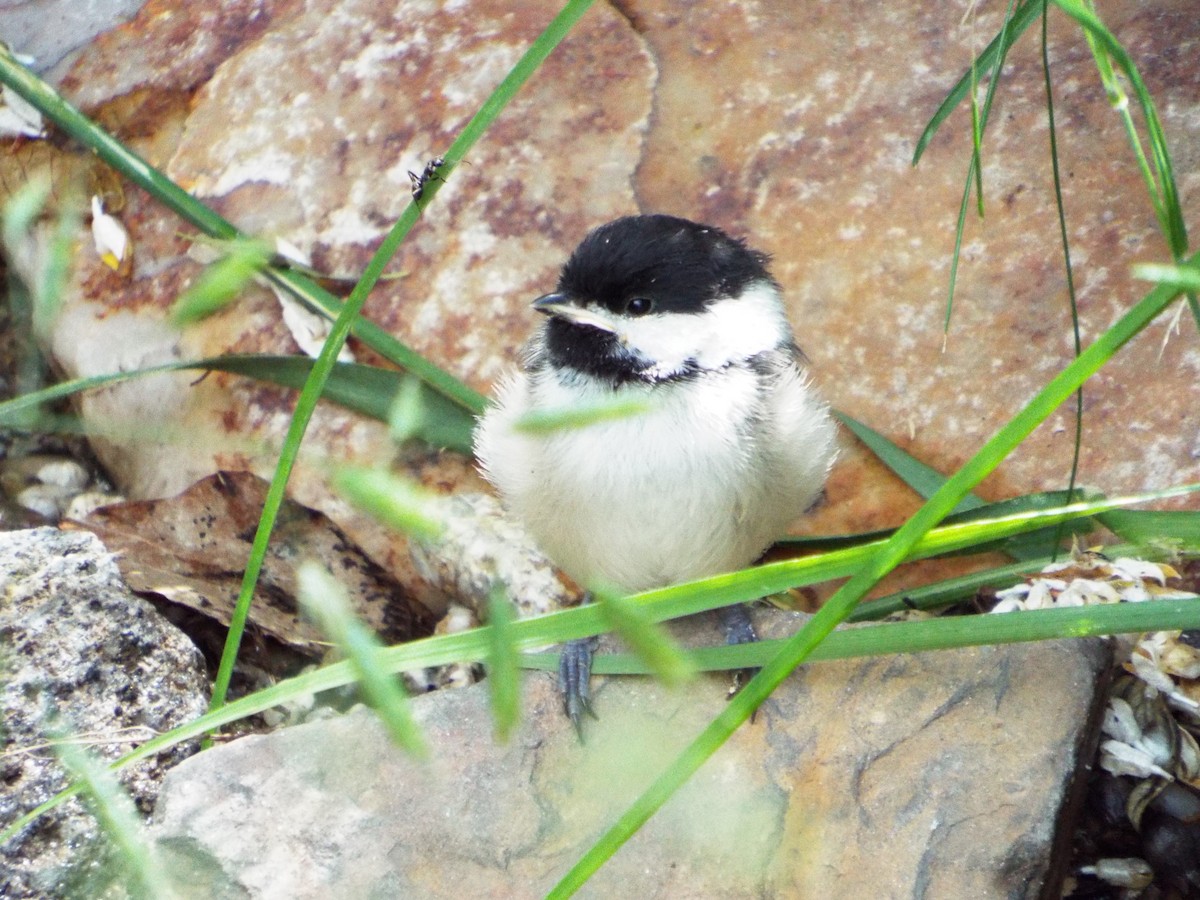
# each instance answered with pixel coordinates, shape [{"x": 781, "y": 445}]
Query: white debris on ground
[
  {"x": 1139, "y": 743},
  {"x": 1151, "y": 719}
]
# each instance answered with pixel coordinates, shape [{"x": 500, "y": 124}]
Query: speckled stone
[
  {"x": 303, "y": 122},
  {"x": 307, "y": 128},
  {"x": 82, "y": 656},
  {"x": 897, "y": 777},
  {"x": 49, "y": 30},
  {"x": 796, "y": 125}
]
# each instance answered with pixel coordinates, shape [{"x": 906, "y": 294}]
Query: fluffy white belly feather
[{"x": 686, "y": 490}]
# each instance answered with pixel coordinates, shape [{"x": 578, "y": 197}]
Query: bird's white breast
[{"x": 700, "y": 484}]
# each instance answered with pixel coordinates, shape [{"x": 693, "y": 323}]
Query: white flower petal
[
  {"x": 18, "y": 117},
  {"x": 1120, "y": 722},
  {"x": 1122, "y": 759},
  {"x": 291, "y": 252},
  {"x": 1040, "y": 595},
  {"x": 308, "y": 329},
  {"x": 110, "y": 237},
  {"x": 1137, "y": 570},
  {"x": 1146, "y": 668},
  {"x": 1088, "y": 591},
  {"x": 1010, "y": 605},
  {"x": 1016, "y": 592}
]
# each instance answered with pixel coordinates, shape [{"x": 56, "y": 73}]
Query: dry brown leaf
[{"x": 192, "y": 550}]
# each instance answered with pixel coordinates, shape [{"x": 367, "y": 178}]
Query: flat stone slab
[{"x": 936, "y": 774}]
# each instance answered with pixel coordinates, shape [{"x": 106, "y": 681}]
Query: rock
[
  {"x": 748, "y": 116},
  {"x": 49, "y": 484},
  {"x": 391, "y": 90},
  {"x": 482, "y": 547},
  {"x": 810, "y": 159},
  {"x": 796, "y": 126},
  {"x": 48, "y": 30},
  {"x": 79, "y": 646},
  {"x": 937, "y": 774}
]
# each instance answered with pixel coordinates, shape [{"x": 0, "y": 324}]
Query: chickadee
[{"x": 735, "y": 443}]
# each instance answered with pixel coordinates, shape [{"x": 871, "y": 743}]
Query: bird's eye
[{"x": 639, "y": 306}]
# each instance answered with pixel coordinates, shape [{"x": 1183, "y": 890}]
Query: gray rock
[
  {"x": 939, "y": 774},
  {"x": 80, "y": 649},
  {"x": 48, "y": 30}
]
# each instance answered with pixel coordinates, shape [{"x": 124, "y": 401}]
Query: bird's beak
[{"x": 560, "y": 306}]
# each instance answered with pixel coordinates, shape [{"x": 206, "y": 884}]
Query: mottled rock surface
[
  {"x": 897, "y": 777},
  {"x": 82, "y": 656},
  {"x": 790, "y": 124},
  {"x": 301, "y": 121},
  {"x": 49, "y": 30},
  {"x": 793, "y": 126}
]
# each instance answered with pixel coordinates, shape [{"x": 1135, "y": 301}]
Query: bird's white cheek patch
[{"x": 730, "y": 330}]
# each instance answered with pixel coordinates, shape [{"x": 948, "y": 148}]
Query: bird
[{"x": 732, "y": 442}]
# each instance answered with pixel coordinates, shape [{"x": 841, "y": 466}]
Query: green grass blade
[
  {"x": 1022, "y": 17},
  {"x": 221, "y": 281},
  {"x": 544, "y": 421},
  {"x": 33, "y": 307},
  {"x": 51, "y": 285},
  {"x": 324, "y": 599},
  {"x": 318, "y": 299},
  {"x": 504, "y": 680},
  {"x": 397, "y": 502},
  {"x": 1183, "y": 278},
  {"x": 22, "y": 210},
  {"x": 926, "y": 481},
  {"x": 923, "y": 479},
  {"x": 408, "y": 411},
  {"x": 25, "y": 300},
  {"x": 947, "y": 633},
  {"x": 797, "y": 649},
  {"x": 649, "y": 642},
  {"x": 118, "y": 819},
  {"x": 979, "y": 120},
  {"x": 12, "y": 411},
  {"x": 1077, "y": 446},
  {"x": 1160, "y": 182},
  {"x": 977, "y": 143},
  {"x": 956, "y": 252},
  {"x": 346, "y": 316},
  {"x": 1171, "y": 530},
  {"x": 947, "y": 591},
  {"x": 1027, "y": 544},
  {"x": 191, "y": 210},
  {"x": 365, "y": 389},
  {"x": 57, "y": 110}
]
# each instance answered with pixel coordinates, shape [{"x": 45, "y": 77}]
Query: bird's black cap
[
  {"x": 680, "y": 265},
  {"x": 634, "y": 266}
]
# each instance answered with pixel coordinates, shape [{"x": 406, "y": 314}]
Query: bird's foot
[
  {"x": 735, "y": 622},
  {"x": 574, "y": 675}
]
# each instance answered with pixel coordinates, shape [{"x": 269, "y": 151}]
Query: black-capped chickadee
[{"x": 733, "y": 446}]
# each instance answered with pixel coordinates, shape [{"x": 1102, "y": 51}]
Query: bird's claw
[
  {"x": 735, "y": 622},
  {"x": 574, "y": 675}
]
